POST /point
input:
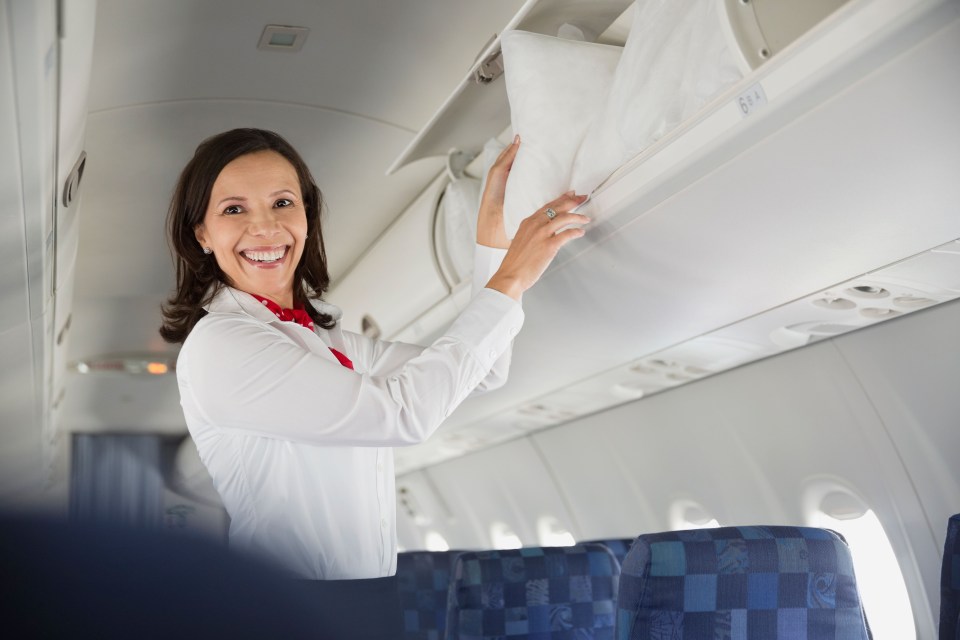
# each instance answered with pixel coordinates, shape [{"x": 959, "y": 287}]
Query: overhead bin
[
  {"x": 436, "y": 235},
  {"x": 735, "y": 236},
  {"x": 399, "y": 278},
  {"x": 477, "y": 109}
]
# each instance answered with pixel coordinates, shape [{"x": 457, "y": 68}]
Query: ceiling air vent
[{"x": 277, "y": 37}]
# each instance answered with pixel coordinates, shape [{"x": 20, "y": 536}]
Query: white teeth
[{"x": 266, "y": 256}]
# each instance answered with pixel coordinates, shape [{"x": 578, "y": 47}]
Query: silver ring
[{"x": 550, "y": 213}]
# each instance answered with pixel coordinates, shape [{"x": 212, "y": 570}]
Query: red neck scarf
[{"x": 299, "y": 315}]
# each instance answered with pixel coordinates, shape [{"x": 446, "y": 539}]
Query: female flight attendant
[{"x": 295, "y": 418}]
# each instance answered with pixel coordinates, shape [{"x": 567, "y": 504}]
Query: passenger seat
[
  {"x": 619, "y": 546},
  {"x": 423, "y": 579},
  {"x": 541, "y": 592},
  {"x": 740, "y": 582}
]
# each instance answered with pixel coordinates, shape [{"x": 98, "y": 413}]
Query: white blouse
[{"x": 299, "y": 446}]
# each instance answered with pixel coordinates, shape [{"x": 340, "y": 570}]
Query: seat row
[{"x": 748, "y": 582}]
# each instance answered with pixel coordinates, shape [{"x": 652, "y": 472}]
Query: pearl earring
[{"x": 207, "y": 250}]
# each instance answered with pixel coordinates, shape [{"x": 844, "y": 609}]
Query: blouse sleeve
[
  {"x": 486, "y": 261},
  {"x": 238, "y": 374}
]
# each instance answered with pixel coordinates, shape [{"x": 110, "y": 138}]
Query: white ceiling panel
[{"x": 391, "y": 61}]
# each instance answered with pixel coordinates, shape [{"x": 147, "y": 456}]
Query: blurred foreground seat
[{"x": 63, "y": 581}]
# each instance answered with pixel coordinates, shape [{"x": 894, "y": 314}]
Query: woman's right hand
[{"x": 536, "y": 243}]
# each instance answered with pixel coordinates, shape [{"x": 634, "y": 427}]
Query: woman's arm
[{"x": 239, "y": 374}]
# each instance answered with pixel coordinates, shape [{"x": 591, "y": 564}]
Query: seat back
[
  {"x": 541, "y": 592},
  {"x": 423, "y": 578},
  {"x": 950, "y": 583},
  {"x": 740, "y": 583}
]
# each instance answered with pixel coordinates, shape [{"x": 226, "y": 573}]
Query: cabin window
[
  {"x": 436, "y": 542},
  {"x": 503, "y": 537},
  {"x": 688, "y": 514},
  {"x": 882, "y": 588},
  {"x": 553, "y": 534}
]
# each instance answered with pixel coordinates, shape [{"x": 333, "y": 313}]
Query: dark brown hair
[{"x": 198, "y": 275}]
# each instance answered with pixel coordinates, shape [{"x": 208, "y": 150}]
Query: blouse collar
[{"x": 230, "y": 300}]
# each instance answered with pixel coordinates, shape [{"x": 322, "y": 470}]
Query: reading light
[
  {"x": 878, "y": 312},
  {"x": 913, "y": 302},
  {"x": 830, "y": 302},
  {"x": 630, "y": 390}
]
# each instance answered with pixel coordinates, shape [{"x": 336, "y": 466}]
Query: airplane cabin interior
[{"x": 753, "y": 347}]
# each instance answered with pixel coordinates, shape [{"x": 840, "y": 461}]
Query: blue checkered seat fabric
[
  {"x": 619, "y": 546},
  {"x": 538, "y": 593},
  {"x": 741, "y": 583},
  {"x": 423, "y": 578},
  {"x": 950, "y": 583}
]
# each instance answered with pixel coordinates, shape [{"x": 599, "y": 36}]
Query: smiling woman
[
  {"x": 294, "y": 418},
  {"x": 257, "y": 234},
  {"x": 244, "y": 186}
]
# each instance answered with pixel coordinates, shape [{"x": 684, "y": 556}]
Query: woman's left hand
[{"x": 490, "y": 229}]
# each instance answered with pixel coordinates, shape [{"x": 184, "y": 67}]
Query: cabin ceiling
[{"x": 165, "y": 75}]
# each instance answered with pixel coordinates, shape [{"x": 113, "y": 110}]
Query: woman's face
[{"x": 256, "y": 225}]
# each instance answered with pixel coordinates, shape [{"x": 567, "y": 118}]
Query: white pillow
[
  {"x": 675, "y": 60},
  {"x": 555, "y": 88}
]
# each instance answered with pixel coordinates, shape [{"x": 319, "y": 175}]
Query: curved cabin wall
[
  {"x": 31, "y": 92},
  {"x": 874, "y": 410},
  {"x": 76, "y": 62}
]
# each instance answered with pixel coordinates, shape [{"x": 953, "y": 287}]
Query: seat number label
[{"x": 751, "y": 100}]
